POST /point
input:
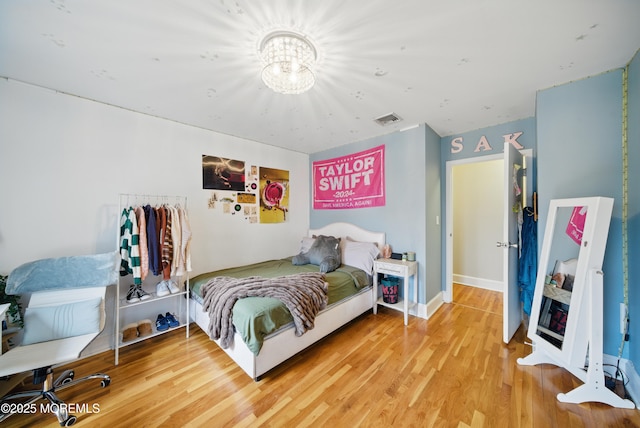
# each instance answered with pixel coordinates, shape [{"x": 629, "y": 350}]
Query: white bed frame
[{"x": 283, "y": 344}]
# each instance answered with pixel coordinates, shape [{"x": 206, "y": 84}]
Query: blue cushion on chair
[{"x": 45, "y": 323}]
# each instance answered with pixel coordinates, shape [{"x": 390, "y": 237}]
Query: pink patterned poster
[{"x": 352, "y": 181}]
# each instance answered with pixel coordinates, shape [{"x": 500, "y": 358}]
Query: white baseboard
[
  {"x": 488, "y": 284},
  {"x": 425, "y": 311},
  {"x": 434, "y": 304},
  {"x": 627, "y": 367}
]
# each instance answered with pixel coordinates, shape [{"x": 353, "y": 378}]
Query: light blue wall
[
  {"x": 579, "y": 130},
  {"x": 633, "y": 138},
  {"x": 412, "y": 175},
  {"x": 493, "y": 137}
]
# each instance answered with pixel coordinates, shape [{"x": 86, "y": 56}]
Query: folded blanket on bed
[{"x": 303, "y": 294}]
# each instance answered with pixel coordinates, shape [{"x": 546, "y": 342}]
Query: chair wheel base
[{"x": 71, "y": 419}]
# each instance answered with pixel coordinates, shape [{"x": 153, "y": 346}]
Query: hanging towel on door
[{"x": 528, "y": 263}]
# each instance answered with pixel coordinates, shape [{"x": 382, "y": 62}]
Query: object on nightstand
[
  {"x": 390, "y": 289},
  {"x": 386, "y": 251},
  {"x": 396, "y": 256}
]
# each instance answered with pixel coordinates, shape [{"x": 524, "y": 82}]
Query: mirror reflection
[{"x": 560, "y": 274}]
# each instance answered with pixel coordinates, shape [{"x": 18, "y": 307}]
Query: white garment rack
[{"x": 133, "y": 312}]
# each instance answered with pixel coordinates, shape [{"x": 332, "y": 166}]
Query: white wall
[
  {"x": 64, "y": 160},
  {"x": 477, "y": 223}
]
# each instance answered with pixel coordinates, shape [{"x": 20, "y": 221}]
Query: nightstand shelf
[{"x": 402, "y": 269}]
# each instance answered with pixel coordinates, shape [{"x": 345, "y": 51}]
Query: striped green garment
[{"x": 130, "y": 245}]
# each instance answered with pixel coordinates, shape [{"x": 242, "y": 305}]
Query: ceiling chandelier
[{"x": 288, "y": 60}]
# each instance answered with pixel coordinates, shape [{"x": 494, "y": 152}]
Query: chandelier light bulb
[{"x": 288, "y": 59}]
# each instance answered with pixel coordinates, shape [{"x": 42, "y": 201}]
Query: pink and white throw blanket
[{"x": 304, "y": 294}]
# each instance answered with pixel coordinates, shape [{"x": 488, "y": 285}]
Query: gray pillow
[{"x": 325, "y": 253}]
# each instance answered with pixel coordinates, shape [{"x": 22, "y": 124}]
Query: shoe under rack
[{"x": 164, "y": 289}]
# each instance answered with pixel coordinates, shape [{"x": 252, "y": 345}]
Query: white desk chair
[{"x": 59, "y": 324}]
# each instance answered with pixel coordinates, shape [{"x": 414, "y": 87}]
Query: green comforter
[{"x": 256, "y": 317}]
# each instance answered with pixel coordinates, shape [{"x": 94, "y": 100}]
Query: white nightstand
[{"x": 398, "y": 268}]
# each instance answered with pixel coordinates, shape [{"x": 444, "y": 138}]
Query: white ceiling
[{"x": 456, "y": 65}]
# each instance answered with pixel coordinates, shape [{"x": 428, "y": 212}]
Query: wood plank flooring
[{"x": 449, "y": 371}]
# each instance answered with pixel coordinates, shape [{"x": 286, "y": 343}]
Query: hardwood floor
[{"x": 449, "y": 371}]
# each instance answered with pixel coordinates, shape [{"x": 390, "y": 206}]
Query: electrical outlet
[{"x": 623, "y": 318}]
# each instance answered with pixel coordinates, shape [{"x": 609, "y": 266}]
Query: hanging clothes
[
  {"x": 153, "y": 246},
  {"x": 129, "y": 245},
  {"x": 528, "y": 262},
  {"x": 166, "y": 243},
  {"x": 144, "y": 249},
  {"x": 184, "y": 264},
  {"x": 155, "y": 239},
  {"x": 176, "y": 238}
]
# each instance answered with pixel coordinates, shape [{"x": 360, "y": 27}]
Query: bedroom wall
[
  {"x": 579, "y": 128},
  {"x": 633, "y": 141},
  {"x": 410, "y": 216},
  {"x": 475, "y": 146},
  {"x": 64, "y": 160},
  {"x": 67, "y": 159}
]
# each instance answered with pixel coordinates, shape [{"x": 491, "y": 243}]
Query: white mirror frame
[{"x": 583, "y": 332}]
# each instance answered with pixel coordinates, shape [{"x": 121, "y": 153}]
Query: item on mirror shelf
[
  {"x": 559, "y": 279},
  {"x": 137, "y": 294},
  {"x": 386, "y": 251}
]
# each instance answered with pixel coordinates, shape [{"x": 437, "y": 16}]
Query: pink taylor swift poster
[
  {"x": 575, "y": 228},
  {"x": 351, "y": 181}
]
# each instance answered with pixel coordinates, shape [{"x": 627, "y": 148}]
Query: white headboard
[{"x": 342, "y": 230}]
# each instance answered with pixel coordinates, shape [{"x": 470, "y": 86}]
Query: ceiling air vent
[{"x": 387, "y": 119}]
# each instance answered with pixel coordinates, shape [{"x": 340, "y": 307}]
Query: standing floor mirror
[{"x": 566, "y": 315}]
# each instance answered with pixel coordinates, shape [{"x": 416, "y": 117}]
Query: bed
[{"x": 283, "y": 343}]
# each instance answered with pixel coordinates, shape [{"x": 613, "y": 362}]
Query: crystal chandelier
[{"x": 288, "y": 60}]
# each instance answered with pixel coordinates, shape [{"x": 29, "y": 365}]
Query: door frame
[{"x": 447, "y": 295}]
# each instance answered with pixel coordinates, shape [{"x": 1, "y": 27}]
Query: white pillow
[
  {"x": 45, "y": 323},
  {"x": 359, "y": 254}
]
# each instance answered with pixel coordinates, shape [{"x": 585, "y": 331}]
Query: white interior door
[{"x": 514, "y": 165}]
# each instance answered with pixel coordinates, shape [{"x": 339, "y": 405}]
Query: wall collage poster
[{"x": 258, "y": 194}]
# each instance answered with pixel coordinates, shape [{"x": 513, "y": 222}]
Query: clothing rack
[
  {"x": 145, "y": 308},
  {"x": 128, "y": 199}
]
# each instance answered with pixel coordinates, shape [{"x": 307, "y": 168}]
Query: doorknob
[{"x": 506, "y": 245}]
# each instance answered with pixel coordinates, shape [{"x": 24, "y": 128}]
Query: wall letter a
[{"x": 483, "y": 145}]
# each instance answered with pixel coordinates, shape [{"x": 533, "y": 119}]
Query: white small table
[{"x": 397, "y": 268}]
